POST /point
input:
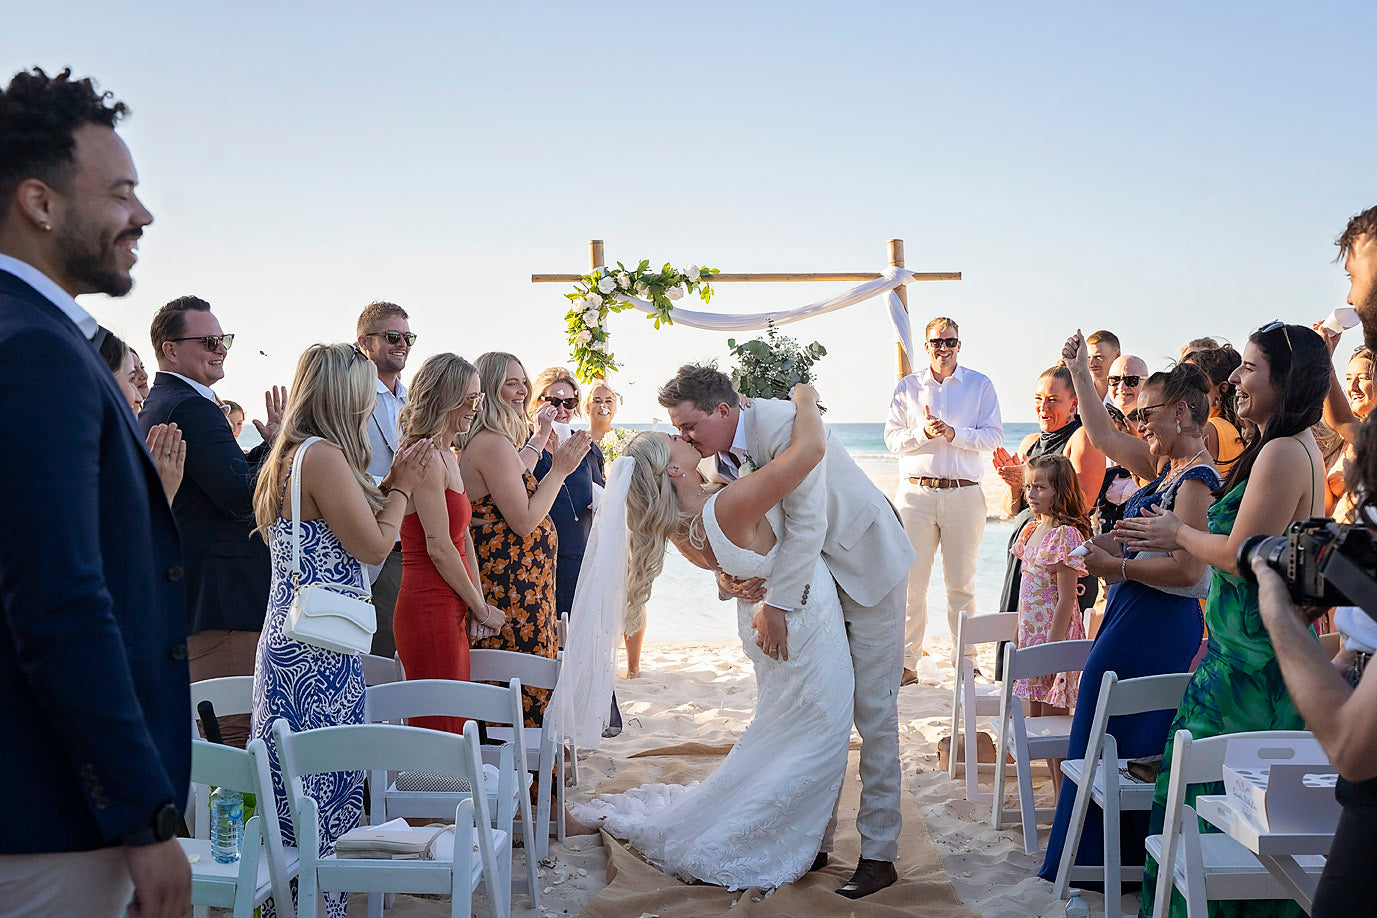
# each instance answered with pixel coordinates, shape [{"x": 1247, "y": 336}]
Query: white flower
[
  {"x": 691, "y": 272},
  {"x": 623, "y": 280},
  {"x": 598, "y": 345},
  {"x": 675, "y": 292},
  {"x": 584, "y": 336},
  {"x": 592, "y": 301},
  {"x": 591, "y": 317},
  {"x": 642, "y": 290},
  {"x": 607, "y": 285}
]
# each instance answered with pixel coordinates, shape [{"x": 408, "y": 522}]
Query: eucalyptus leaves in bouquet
[
  {"x": 769, "y": 367},
  {"x": 607, "y": 290}
]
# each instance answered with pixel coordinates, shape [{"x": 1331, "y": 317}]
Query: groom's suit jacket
[{"x": 836, "y": 512}]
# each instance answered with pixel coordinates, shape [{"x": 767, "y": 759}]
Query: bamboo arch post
[{"x": 894, "y": 254}]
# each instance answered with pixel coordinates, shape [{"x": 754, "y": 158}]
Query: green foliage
[{"x": 769, "y": 367}]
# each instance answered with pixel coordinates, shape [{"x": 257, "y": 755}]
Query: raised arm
[
  {"x": 1089, "y": 465},
  {"x": 501, "y": 470},
  {"x": 805, "y": 523},
  {"x": 330, "y": 485},
  {"x": 1125, "y": 449},
  {"x": 745, "y": 501}
]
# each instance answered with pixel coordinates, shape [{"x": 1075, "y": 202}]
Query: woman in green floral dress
[{"x": 1279, "y": 479}]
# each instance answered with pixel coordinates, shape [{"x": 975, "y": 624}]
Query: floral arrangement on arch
[{"x": 603, "y": 292}]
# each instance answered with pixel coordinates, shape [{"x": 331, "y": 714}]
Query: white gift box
[{"x": 1284, "y": 786}]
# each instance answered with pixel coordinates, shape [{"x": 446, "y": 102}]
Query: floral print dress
[
  {"x": 519, "y": 578},
  {"x": 1037, "y": 600}
]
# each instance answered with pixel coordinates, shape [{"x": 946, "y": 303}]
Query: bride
[{"x": 759, "y": 820}]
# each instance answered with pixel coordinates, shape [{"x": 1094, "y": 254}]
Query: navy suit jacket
[
  {"x": 95, "y": 717},
  {"x": 227, "y": 567}
]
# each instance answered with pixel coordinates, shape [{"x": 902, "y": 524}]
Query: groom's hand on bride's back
[{"x": 751, "y": 589}]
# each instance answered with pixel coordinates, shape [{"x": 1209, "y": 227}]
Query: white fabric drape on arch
[{"x": 715, "y": 321}]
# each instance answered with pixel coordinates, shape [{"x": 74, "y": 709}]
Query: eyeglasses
[
  {"x": 1273, "y": 326},
  {"x": 570, "y": 403},
  {"x": 935, "y": 343},
  {"x": 394, "y": 336},
  {"x": 1129, "y": 381},
  {"x": 212, "y": 342}
]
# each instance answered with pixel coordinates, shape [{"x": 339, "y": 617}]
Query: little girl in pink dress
[{"x": 1047, "y": 608}]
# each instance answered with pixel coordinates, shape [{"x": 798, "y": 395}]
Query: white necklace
[{"x": 1174, "y": 474}]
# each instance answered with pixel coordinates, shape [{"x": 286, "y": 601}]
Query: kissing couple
[{"x": 818, "y": 562}]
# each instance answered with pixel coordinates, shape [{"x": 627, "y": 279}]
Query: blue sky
[{"x": 1164, "y": 170}]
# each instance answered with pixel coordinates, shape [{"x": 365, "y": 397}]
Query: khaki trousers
[
  {"x": 949, "y": 519},
  {"x": 68, "y": 884},
  {"x": 216, "y": 654}
]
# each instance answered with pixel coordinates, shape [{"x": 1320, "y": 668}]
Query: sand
[{"x": 705, "y": 693}]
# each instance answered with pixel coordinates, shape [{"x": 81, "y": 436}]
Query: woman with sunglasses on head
[
  {"x": 514, "y": 539},
  {"x": 1152, "y": 621},
  {"x": 346, "y": 521},
  {"x": 1222, "y": 437},
  {"x": 1279, "y": 479}
]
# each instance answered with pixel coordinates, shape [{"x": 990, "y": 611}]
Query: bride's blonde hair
[{"x": 652, "y": 513}]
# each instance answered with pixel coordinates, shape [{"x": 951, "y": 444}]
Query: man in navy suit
[
  {"x": 95, "y": 716},
  {"x": 227, "y": 565}
]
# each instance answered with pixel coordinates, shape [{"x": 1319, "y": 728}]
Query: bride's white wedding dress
[{"x": 759, "y": 819}]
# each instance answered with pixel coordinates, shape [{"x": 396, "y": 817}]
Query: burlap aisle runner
[{"x": 634, "y": 888}]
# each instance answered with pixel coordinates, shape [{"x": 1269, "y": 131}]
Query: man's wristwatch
[{"x": 162, "y": 828}]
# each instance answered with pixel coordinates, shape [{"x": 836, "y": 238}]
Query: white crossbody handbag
[{"x": 335, "y": 616}]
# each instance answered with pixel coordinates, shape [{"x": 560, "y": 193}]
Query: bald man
[{"x": 1126, "y": 377}]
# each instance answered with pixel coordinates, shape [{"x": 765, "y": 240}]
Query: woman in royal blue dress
[
  {"x": 346, "y": 521},
  {"x": 1152, "y": 622}
]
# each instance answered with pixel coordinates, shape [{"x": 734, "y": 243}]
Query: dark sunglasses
[
  {"x": 395, "y": 337},
  {"x": 1144, "y": 414},
  {"x": 570, "y": 403},
  {"x": 1129, "y": 381},
  {"x": 212, "y": 342},
  {"x": 1273, "y": 326},
  {"x": 943, "y": 342}
]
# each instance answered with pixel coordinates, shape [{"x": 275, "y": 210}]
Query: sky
[{"x": 1163, "y": 170}]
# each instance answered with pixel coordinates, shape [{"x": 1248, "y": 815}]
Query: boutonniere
[{"x": 748, "y": 465}]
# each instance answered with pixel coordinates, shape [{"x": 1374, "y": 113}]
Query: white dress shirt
[
  {"x": 203, "y": 390},
  {"x": 52, "y": 292},
  {"x": 725, "y": 466},
  {"x": 966, "y": 401},
  {"x": 384, "y": 429}
]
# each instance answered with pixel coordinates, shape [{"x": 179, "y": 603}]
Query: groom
[{"x": 836, "y": 512}]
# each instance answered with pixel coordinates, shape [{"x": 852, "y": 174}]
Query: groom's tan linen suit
[{"x": 839, "y": 513}]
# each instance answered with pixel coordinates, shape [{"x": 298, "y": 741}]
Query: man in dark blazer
[
  {"x": 227, "y": 565},
  {"x": 94, "y": 710}
]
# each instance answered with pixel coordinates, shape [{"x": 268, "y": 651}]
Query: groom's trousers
[{"x": 876, "y": 636}]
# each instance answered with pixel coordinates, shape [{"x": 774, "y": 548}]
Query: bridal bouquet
[
  {"x": 614, "y": 442},
  {"x": 769, "y": 367},
  {"x": 605, "y": 291}
]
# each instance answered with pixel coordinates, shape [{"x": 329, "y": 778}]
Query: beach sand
[{"x": 705, "y": 693}]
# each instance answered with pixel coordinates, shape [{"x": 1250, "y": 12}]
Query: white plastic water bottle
[
  {"x": 226, "y": 824},
  {"x": 1076, "y": 907}
]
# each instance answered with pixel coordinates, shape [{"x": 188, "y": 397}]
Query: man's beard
[
  {"x": 1367, "y": 312},
  {"x": 91, "y": 262}
]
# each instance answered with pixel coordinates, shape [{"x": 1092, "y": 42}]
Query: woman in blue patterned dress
[
  {"x": 346, "y": 520},
  {"x": 1152, "y": 623}
]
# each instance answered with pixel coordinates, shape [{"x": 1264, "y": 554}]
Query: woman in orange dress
[
  {"x": 441, "y": 599},
  {"x": 514, "y": 540}
]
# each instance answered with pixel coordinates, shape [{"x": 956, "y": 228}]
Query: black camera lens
[{"x": 1273, "y": 550}]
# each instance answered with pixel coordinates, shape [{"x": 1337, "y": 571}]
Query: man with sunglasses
[
  {"x": 227, "y": 568},
  {"x": 385, "y": 336},
  {"x": 1126, "y": 377},
  {"x": 940, "y": 421}
]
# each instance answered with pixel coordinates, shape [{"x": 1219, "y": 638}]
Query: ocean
[{"x": 684, "y": 607}]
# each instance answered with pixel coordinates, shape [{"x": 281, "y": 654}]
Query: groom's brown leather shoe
[{"x": 870, "y": 877}]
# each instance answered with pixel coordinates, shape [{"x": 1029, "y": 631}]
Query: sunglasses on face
[
  {"x": 1144, "y": 414},
  {"x": 570, "y": 403},
  {"x": 394, "y": 337},
  {"x": 943, "y": 342},
  {"x": 1129, "y": 381},
  {"x": 211, "y": 342}
]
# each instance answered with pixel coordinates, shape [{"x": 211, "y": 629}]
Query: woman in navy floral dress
[{"x": 345, "y": 520}]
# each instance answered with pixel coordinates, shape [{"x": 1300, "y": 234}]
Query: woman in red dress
[{"x": 441, "y": 602}]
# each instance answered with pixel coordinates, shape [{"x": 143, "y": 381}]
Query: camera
[{"x": 1324, "y": 564}]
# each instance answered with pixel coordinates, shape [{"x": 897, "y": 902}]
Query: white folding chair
[
  {"x": 1108, "y": 787},
  {"x": 1034, "y": 738},
  {"x": 542, "y": 753},
  {"x": 379, "y": 670},
  {"x": 970, "y": 701},
  {"x": 570, "y": 751},
  {"x": 398, "y": 701},
  {"x": 265, "y": 868},
  {"x": 384, "y": 747},
  {"x": 1211, "y": 865},
  {"x": 229, "y": 695}
]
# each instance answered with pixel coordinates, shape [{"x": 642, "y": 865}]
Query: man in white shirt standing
[
  {"x": 384, "y": 334},
  {"x": 940, "y": 421}
]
